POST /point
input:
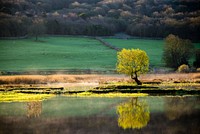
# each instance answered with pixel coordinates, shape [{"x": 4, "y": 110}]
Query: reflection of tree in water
[
  {"x": 133, "y": 114},
  {"x": 177, "y": 107},
  {"x": 34, "y": 109}
]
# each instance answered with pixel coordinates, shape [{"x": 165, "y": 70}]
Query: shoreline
[
  {"x": 187, "y": 81},
  {"x": 41, "y": 86}
]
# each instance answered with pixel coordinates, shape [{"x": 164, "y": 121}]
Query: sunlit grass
[{"x": 20, "y": 97}]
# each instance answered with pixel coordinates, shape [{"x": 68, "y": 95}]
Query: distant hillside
[{"x": 143, "y": 18}]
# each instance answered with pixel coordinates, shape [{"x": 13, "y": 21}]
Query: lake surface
[{"x": 84, "y": 115}]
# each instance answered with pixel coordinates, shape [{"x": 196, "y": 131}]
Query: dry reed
[{"x": 45, "y": 79}]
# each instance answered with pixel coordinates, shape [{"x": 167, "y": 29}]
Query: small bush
[
  {"x": 198, "y": 69},
  {"x": 183, "y": 69},
  {"x": 2, "y": 73}
]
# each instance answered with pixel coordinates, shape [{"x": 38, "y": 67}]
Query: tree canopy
[
  {"x": 143, "y": 18},
  {"x": 132, "y": 62},
  {"x": 37, "y": 28},
  {"x": 177, "y": 51}
]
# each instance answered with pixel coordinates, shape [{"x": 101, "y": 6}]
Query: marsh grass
[
  {"x": 40, "y": 87},
  {"x": 45, "y": 79},
  {"x": 38, "y": 79},
  {"x": 23, "y": 79},
  {"x": 197, "y": 75},
  {"x": 181, "y": 86},
  {"x": 174, "y": 85},
  {"x": 20, "y": 97},
  {"x": 114, "y": 94}
]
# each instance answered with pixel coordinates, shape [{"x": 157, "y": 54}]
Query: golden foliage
[
  {"x": 133, "y": 114},
  {"x": 131, "y": 61}
]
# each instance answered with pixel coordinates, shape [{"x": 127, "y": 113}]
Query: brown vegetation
[
  {"x": 98, "y": 79},
  {"x": 49, "y": 79},
  {"x": 172, "y": 77}
]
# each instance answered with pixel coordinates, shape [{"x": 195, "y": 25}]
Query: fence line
[{"x": 107, "y": 44}]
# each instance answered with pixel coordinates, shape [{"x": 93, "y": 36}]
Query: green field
[
  {"x": 154, "y": 48},
  {"x": 66, "y": 53},
  {"x": 55, "y": 53}
]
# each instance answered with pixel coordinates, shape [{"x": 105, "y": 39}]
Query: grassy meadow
[
  {"x": 154, "y": 48},
  {"x": 55, "y": 53},
  {"x": 65, "y": 53}
]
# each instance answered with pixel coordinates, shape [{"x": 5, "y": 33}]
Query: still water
[{"x": 71, "y": 115}]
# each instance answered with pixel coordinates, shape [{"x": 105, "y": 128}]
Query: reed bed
[
  {"x": 46, "y": 79},
  {"x": 100, "y": 79}
]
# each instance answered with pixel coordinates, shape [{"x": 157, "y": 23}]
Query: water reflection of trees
[
  {"x": 176, "y": 107},
  {"x": 133, "y": 114},
  {"x": 34, "y": 109}
]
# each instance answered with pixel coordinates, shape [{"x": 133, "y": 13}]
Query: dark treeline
[{"x": 143, "y": 18}]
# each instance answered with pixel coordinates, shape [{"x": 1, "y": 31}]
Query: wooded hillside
[{"x": 143, "y": 18}]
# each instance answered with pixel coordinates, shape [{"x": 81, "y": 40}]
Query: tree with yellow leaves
[{"x": 132, "y": 62}]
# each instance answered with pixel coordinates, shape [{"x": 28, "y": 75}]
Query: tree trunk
[
  {"x": 36, "y": 37},
  {"x": 136, "y": 79}
]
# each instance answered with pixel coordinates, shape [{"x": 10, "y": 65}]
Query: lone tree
[
  {"x": 177, "y": 51},
  {"x": 132, "y": 62},
  {"x": 37, "y": 28}
]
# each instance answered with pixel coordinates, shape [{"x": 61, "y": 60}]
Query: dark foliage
[
  {"x": 177, "y": 51},
  {"x": 197, "y": 59},
  {"x": 143, "y": 18}
]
